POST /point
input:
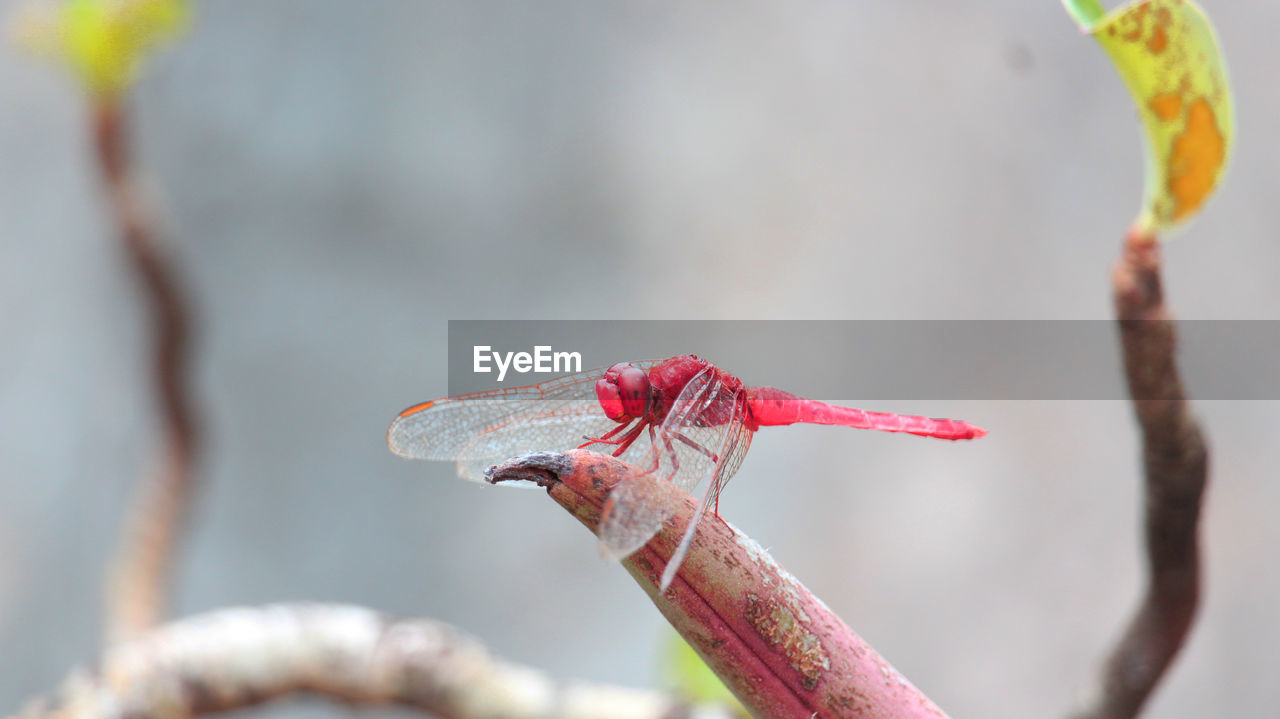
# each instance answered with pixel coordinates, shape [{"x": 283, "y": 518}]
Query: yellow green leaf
[
  {"x": 1168, "y": 57},
  {"x": 104, "y": 41}
]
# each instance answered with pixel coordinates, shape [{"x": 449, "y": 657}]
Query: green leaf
[
  {"x": 1168, "y": 56},
  {"x": 683, "y": 672}
]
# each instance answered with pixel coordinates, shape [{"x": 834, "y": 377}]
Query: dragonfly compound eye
[
  {"x": 610, "y": 401},
  {"x": 624, "y": 392},
  {"x": 633, "y": 388}
]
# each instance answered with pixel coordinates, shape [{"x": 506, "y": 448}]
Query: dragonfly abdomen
[{"x": 772, "y": 407}]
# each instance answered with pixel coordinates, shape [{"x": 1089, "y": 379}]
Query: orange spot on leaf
[
  {"x": 1137, "y": 18},
  {"x": 1198, "y": 154},
  {"x": 1166, "y": 106},
  {"x": 1159, "y": 39}
]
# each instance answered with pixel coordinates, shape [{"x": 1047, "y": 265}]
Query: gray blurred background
[{"x": 340, "y": 179}]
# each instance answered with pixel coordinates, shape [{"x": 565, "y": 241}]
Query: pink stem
[{"x": 781, "y": 651}]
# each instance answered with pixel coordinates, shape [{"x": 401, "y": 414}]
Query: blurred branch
[
  {"x": 236, "y": 658},
  {"x": 778, "y": 648},
  {"x": 140, "y": 571},
  {"x": 1175, "y": 462}
]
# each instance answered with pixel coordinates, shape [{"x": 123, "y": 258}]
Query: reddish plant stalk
[
  {"x": 781, "y": 651},
  {"x": 140, "y": 574}
]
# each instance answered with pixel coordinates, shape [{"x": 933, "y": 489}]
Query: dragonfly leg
[
  {"x": 604, "y": 438},
  {"x": 625, "y": 443},
  {"x": 697, "y": 447},
  {"x": 653, "y": 444},
  {"x": 671, "y": 453}
]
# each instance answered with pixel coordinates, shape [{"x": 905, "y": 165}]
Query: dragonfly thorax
[{"x": 624, "y": 392}]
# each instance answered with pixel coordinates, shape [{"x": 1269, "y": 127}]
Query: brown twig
[
  {"x": 1175, "y": 461},
  {"x": 242, "y": 657},
  {"x": 139, "y": 575}
]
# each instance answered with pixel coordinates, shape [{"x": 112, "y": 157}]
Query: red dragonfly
[{"x": 682, "y": 417}]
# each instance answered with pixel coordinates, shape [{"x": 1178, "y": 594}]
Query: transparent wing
[
  {"x": 704, "y": 424},
  {"x": 736, "y": 442},
  {"x": 631, "y": 516},
  {"x": 734, "y": 450},
  {"x": 482, "y": 428},
  {"x": 552, "y": 425}
]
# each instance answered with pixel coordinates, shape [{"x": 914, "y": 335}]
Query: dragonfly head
[{"x": 624, "y": 392}]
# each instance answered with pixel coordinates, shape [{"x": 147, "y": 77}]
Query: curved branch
[
  {"x": 1175, "y": 461},
  {"x": 242, "y": 657},
  {"x": 778, "y": 648},
  {"x": 140, "y": 571}
]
